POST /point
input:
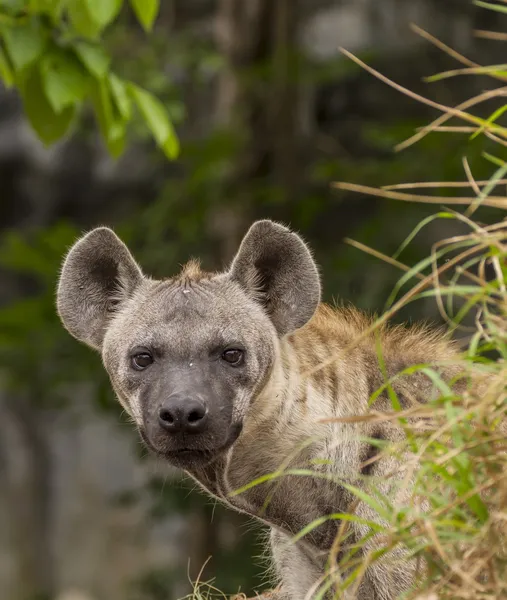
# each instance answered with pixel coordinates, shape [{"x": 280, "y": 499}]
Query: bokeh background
[{"x": 269, "y": 113}]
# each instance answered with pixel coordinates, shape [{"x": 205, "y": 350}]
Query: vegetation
[
  {"x": 455, "y": 520},
  {"x": 459, "y": 455},
  {"x": 462, "y": 450},
  {"x": 54, "y": 52}
]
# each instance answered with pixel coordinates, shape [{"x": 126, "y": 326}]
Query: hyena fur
[{"x": 220, "y": 373}]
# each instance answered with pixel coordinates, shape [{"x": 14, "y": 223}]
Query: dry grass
[
  {"x": 460, "y": 455},
  {"x": 461, "y": 466}
]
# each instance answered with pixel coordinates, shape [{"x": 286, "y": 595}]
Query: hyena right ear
[
  {"x": 276, "y": 268},
  {"x": 98, "y": 274}
]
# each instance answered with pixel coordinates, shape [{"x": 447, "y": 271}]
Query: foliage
[
  {"x": 39, "y": 358},
  {"x": 35, "y": 351},
  {"x": 53, "y": 52},
  {"x": 455, "y": 516},
  {"x": 458, "y": 459}
]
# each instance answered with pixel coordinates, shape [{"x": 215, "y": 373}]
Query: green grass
[{"x": 459, "y": 459}]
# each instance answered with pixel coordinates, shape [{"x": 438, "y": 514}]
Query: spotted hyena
[{"x": 227, "y": 375}]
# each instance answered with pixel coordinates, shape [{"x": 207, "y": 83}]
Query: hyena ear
[
  {"x": 98, "y": 274},
  {"x": 275, "y": 266}
]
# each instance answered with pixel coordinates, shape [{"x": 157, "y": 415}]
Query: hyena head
[{"x": 188, "y": 356}]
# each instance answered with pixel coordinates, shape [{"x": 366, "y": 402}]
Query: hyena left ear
[
  {"x": 275, "y": 267},
  {"x": 98, "y": 275}
]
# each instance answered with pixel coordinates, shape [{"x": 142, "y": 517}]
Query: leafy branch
[{"x": 52, "y": 52}]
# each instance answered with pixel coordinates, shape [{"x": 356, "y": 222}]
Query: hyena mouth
[
  {"x": 183, "y": 457},
  {"x": 186, "y": 458},
  {"x": 179, "y": 456},
  {"x": 189, "y": 455}
]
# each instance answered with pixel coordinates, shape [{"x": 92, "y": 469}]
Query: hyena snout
[
  {"x": 185, "y": 418},
  {"x": 181, "y": 414}
]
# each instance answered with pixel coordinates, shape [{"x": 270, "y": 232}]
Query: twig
[
  {"x": 491, "y": 35},
  {"x": 494, "y": 201},
  {"x": 380, "y": 255},
  {"x": 438, "y": 184},
  {"x": 441, "y": 46},
  {"x": 450, "y": 113}
]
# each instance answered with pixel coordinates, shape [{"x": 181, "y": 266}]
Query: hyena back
[{"x": 232, "y": 376}]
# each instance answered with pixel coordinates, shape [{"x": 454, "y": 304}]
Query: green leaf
[
  {"x": 13, "y": 6},
  {"x": 336, "y": 517},
  {"x": 24, "y": 43},
  {"x": 492, "y": 119},
  {"x": 21, "y": 257},
  {"x": 438, "y": 382},
  {"x": 494, "y": 70},
  {"x": 418, "y": 228},
  {"x": 51, "y": 7},
  {"x": 6, "y": 73},
  {"x": 146, "y": 12},
  {"x": 113, "y": 130},
  {"x": 369, "y": 500},
  {"x": 93, "y": 57},
  {"x": 492, "y": 183},
  {"x": 81, "y": 20},
  {"x": 57, "y": 8},
  {"x": 497, "y": 7},
  {"x": 120, "y": 96},
  {"x": 495, "y": 160},
  {"x": 64, "y": 78},
  {"x": 49, "y": 125},
  {"x": 103, "y": 11},
  {"x": 156, "y": 119}
]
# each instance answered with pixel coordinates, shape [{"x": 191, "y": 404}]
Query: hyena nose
[{"x": 183, "y": 415}]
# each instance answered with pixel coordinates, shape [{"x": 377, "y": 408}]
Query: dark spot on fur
[
  {"x": 370, "y": 454},
  {"x": 333, "y": 380},
  {"x": 373, "y": 376}
]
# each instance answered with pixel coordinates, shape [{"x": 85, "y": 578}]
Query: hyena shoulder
[{"x": 344, "y": 344}]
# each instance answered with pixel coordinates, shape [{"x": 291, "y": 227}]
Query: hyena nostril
[
  {"x": 166, "y": 416},
  {"x": 194, "y": 416},
  {"x": 183, "y": 415}
]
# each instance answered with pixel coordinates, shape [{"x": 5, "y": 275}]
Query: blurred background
[{"x": 269, "y": 113}]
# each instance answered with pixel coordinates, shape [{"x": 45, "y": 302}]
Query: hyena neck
[
  {"x": 284, "y": 430},
  {"x": 330, "y": 368},
  {"x": 297, "y": 393}
]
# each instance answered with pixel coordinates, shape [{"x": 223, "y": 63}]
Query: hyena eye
[
  {"x": 141, "y": 360},
  {"x": 233, "y": 357}
]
